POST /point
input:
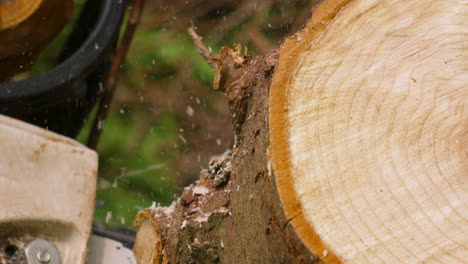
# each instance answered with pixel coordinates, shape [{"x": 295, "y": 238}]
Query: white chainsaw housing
[{"x": 47, "y": 188}]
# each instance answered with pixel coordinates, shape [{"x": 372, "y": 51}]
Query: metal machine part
[
  {"x": 47, "y": 189},
  {"x": 126, "y": 237},
  {"x": 103, "y": 250},
  {"x": 40, "y": 251}
]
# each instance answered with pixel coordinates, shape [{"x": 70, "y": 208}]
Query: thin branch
[
  {"x": 204, "y": 51},
  {"x": 259, "y": 40},
  {"x": 113, "y": 77}
]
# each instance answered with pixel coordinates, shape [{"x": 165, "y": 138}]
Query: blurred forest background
[{"x": 166, "y": 120}]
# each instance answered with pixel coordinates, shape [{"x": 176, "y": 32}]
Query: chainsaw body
[
  {"x": 47, "y": 197},
  {"x": 47, "y": 190}
]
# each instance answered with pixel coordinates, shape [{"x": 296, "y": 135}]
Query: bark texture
[{"x": 233, "y": 213}]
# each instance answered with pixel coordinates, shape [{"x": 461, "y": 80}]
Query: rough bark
[{"x": 233, "y": 213}]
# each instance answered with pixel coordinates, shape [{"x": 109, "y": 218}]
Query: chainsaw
[{"x": 47, "y": 179}]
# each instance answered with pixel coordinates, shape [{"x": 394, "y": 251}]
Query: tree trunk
[
  {"x": 233, "y": 214},
  {"x": 350, "y": 147}
]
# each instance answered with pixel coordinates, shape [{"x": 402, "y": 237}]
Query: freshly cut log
[
  {"x": 368, "y": 127},
  {"x": 351, "y": 146}
]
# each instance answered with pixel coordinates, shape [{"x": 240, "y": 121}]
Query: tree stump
[{"x": 351, "y": 146}]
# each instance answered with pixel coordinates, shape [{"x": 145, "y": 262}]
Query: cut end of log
[
  {"x": 148, "y": 242},
  {"x": 368, "y": 127}
]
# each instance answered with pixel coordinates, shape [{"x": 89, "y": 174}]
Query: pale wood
[
  {"x": 47, "y": 188},
  {"x": 368, "y": 127},
  {"x": 148, "y": 242}
]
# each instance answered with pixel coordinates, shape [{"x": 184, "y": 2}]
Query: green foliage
[
  {"x": 133, "y": 167},
  {"x": 160, "y": 55}
]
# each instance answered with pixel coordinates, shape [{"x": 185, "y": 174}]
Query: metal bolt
[
  {"x": 41, "y": 251},
  {"x": 43, "y": 256}
]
